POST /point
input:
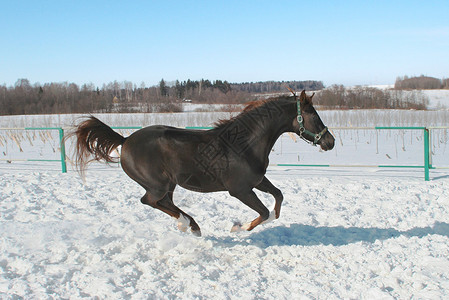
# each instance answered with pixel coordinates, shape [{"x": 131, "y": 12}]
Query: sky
[{"x": 337, "y": 42}]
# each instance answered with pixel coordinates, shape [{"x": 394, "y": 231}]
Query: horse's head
[{"x": 308, "y": 124}]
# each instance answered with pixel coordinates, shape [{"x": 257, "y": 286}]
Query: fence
[
  {"x": 427, "y": 154},
  {"x": 61, "y": 145}
]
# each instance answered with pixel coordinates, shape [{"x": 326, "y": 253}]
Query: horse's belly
[{"x": 200, "y": 183}]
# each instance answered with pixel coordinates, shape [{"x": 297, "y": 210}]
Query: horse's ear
[
  {"x": 310, "y": 98},
  {"x": 303, "y": 96}
]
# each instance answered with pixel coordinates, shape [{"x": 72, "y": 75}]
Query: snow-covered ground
[
  {"x": 343, "y": 232},
  {"x": 438, "y": 99}
]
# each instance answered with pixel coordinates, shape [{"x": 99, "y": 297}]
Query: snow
[
  {"x": 342, "y": 233},
  {"x": 438, "y": 99},
  {"x": 339, "y": 236}
]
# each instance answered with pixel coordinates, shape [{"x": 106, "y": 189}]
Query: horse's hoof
[
  {"x": 239, "y": 227},
  {"x": 196, "y": 233},
  {"x": 236, "y": 227}
]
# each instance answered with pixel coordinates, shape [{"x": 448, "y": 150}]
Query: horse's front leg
[
  {"x": 267, "y": 187},
  {"x": 251, "y": 200}
]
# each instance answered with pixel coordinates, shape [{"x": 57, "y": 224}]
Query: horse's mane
[{"x": 250, "y": 106}]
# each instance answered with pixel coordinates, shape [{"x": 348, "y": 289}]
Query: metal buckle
[{"x": 318, "y": 136}]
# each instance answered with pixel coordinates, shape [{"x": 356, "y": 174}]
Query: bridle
[{"x": 302, "y": 130}]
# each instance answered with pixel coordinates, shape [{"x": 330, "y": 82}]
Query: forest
[
  {"x": 64, "y": 97},
  {"x": 361, "y": 97},
  {"x": 421, "y": 83}
]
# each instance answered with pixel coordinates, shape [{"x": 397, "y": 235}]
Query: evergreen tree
[{"x": 163, "y": 88}]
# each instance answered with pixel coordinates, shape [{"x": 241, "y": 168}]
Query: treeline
[
  {"x": 27, "y": 98},
  {"x": 421, "y": 83},
  {"x": 195, "y": 89},
  {"x": 277, "y": 86},
  {"x": 339, "y": 97},
  {"x": 64, "y": 97},
  {"x": 200, "y": 91}
]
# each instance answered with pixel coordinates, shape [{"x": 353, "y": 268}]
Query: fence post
[
  {"x": 62, "y": 147},
  {"x": 426, "y": 154}
]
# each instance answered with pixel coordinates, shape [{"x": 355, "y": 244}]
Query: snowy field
[
  {"x": 351, "y": 233},
  {"x": 341, "y": 234}
]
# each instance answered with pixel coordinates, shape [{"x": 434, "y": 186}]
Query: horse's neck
[{"x": 274, "y": 120}]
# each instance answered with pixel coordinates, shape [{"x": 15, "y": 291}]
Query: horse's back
[
  {"x": 161, "y": 152},
  {"x": 157, "y": 142}
]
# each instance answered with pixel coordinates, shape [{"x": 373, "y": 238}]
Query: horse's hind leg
[
  {"x": 267, "y": 187},
  {"x": 250, "y": 199},
  {"x": 166, "y": 205}
]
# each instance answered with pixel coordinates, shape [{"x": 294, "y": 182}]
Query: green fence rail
[
  {"x": 61, "y": 145},
  {"x": 427, "y": 165}
]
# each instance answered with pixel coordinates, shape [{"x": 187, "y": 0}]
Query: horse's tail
[{"x": 94, "y": 138}]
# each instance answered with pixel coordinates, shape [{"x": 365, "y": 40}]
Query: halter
[{"x": 302, "y": 130}]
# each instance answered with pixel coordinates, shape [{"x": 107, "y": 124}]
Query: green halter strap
[{"x": 302, "y": 130}]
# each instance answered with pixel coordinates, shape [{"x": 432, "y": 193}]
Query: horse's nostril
[{"x": 328, "y": 144}]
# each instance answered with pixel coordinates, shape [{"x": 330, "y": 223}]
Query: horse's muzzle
[{"x": 327, "y": 142}]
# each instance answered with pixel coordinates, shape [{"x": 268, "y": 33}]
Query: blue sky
[{"x": 338, "y": 42}]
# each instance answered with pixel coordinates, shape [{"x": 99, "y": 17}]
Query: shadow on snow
[{"x": 305, "y": 235}]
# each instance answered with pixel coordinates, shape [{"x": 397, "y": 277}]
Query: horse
[{"x": 232, "y": 156}]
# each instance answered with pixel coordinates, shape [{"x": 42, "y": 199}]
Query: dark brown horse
[{"x": 232, "y": 157}]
